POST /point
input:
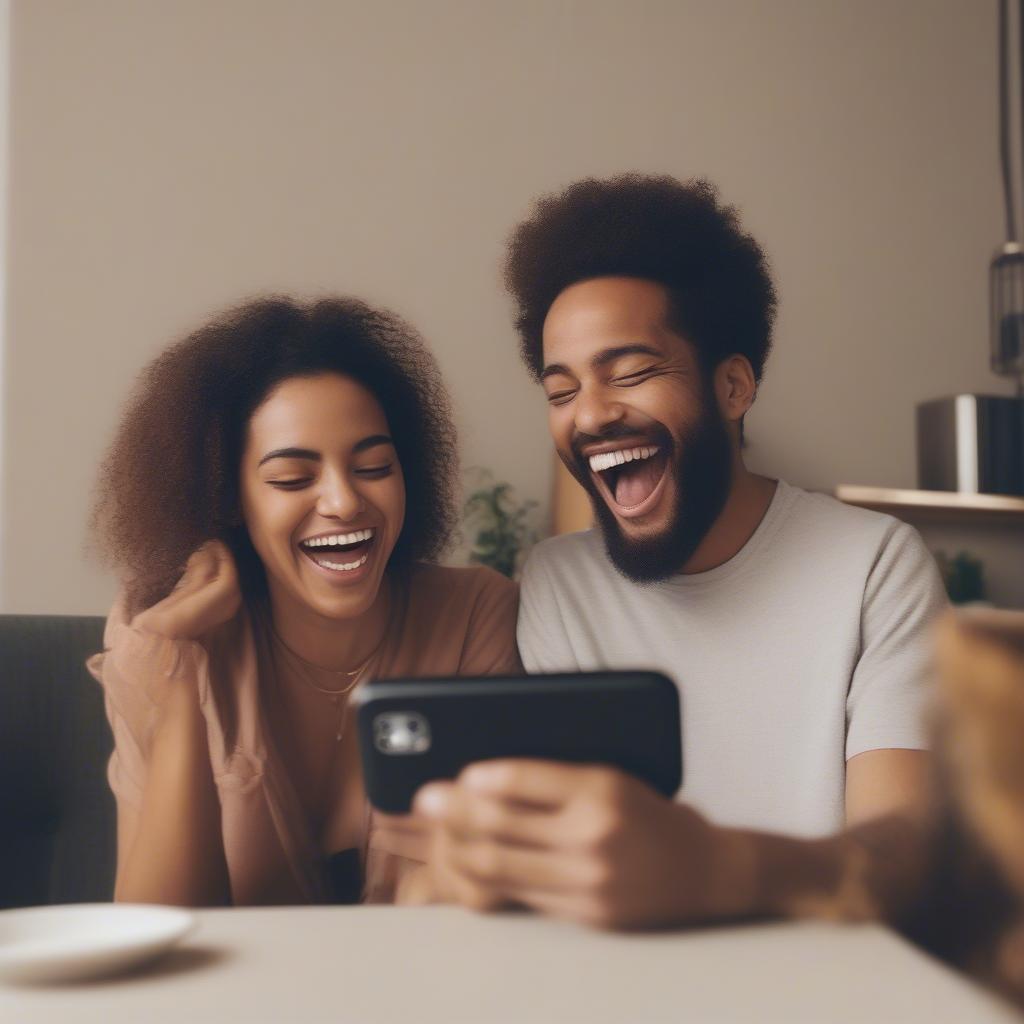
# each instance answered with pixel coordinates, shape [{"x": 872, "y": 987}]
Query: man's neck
[{"x": 748, "y": 501}]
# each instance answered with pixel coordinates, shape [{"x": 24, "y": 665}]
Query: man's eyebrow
[
  {"x": 609, "y": 355},
  {"x": 290, "y": 453},
  {"x": 605, "y": 356},
  {"x": 554, "y": 368}
]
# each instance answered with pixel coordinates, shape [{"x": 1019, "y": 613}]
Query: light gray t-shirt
[{"x": 811, "y": 645}]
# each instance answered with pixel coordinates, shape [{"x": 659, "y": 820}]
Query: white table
[{"x": 445, "y": 964}]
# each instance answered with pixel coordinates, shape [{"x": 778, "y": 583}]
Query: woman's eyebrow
[
  {"x": 371, "y": 442},
  {"x": 290, "y": 453},
  {"x": 307, "y": 453}
]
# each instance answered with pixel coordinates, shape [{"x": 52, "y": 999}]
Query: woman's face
[{"x": 322, "y": 492}]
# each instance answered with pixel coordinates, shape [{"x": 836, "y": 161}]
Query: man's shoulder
[
  {"x": 883, "y": 551},
  {"x": 817, "y": 514},
  {"x": 574, "y": 553}
]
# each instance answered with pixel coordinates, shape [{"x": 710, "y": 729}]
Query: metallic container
[{"x": 973, "y": 444}]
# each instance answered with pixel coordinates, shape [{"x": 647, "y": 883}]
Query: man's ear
[{"x": 735, "y": 387}]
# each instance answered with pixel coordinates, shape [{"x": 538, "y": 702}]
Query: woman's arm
[
  {"x": 170, "y": 850},
  {"x": 169, "y": 846}
]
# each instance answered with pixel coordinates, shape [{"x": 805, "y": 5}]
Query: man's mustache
[{"x": 615, "y": 432}]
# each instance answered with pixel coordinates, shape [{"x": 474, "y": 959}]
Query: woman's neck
[{"x": 337, "y": 645}]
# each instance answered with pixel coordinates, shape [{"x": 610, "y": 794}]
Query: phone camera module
[{"x": 401, "y": 732}]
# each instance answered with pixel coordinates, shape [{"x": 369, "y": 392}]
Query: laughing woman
[{"x": 272, "y": 500}]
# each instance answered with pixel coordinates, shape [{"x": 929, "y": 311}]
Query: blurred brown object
[
  {"x": 978, "y": 898},
  {"x": 570, "y": 504}
]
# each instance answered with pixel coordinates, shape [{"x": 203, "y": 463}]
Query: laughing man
[{"x": 796, "y": 627}]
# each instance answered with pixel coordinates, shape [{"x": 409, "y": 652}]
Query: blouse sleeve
[{"x": 136, "y": 669}]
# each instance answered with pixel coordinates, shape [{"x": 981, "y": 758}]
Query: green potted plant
[
  {"x": 500, "y": 525},
  {"x": 963, "y": 575}
]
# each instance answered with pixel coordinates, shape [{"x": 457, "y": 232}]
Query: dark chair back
[{"x": 57, "y": 816}]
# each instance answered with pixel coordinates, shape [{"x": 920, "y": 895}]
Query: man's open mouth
[
  {"x": 341, "y": 552},
  {"x": 630, "y": 476}
]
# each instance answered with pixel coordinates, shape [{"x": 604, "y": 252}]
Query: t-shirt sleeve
[
  {"x": 544, "y": 643},
  {"x": 135, "y": 669},
  {"x": 892, "y": 682},
  {"x": 490, "y": 645}
]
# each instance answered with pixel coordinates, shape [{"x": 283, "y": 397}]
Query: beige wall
[{"x": 168, "y": 158}]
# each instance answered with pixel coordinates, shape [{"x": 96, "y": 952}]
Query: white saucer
[{"x": 84, "y": 940}]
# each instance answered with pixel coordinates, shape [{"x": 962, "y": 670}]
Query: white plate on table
[{"x": 85, "y": 940}]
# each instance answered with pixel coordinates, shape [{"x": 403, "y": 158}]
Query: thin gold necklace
[{"x": 356, "y": 674}]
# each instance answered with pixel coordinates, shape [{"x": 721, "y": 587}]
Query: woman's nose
[{"x": 338, "y": 499}]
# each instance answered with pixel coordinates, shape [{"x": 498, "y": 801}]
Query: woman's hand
[
  {"x": 207, "y": 595},
  {"x": 408, "y": 837}
]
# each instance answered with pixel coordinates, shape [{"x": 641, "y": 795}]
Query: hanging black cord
[{"x": 1004, "y": 118}]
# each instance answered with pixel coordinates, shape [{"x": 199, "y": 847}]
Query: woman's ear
[{"x": 735, "y": 387}]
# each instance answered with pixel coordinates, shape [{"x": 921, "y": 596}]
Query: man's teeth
[
  {"x": 338, "y": 538},
  {"x": 608, "y": 459},
  {"x": 343, "y": 566}
]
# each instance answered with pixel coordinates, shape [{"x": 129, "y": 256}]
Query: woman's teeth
[
  {"x": 344, "y": 567},
  {"x": 329, "y": 551},
  {"x": 605, "y": 460},
  {"x": 338, "y": 539}
]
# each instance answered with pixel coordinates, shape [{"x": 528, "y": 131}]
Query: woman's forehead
[{"x": 326, "y": 406}]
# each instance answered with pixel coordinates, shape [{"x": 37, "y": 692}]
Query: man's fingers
[
  {"x": 569, "y": 906},
  {"x": 548, "y": 784},
  {"x": 453, "y": 886},
  {"x": 516, "y": 870},
  {"x": 471, "y": 815}
]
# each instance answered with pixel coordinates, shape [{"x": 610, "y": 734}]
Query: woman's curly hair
[
  {"x": 169, "y": 481},
  {"x": 658, "y": 229}
]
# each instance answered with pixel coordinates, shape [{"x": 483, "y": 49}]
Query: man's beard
[{"x": 702, "y": 477}]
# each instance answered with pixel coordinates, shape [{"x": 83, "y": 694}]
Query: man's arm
[
  {"x": 596, "y": 846},
  {"x": 882, "y": 782}
]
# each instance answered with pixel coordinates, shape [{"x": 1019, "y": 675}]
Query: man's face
[{"x": 636, "y": 422}]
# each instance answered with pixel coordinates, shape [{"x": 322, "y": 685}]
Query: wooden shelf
[{"x": 937, "y": 506}]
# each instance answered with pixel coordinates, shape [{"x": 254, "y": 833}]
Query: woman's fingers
[
  {"x": 403, "y": 835},
  {"x": 206, "y": 595}
]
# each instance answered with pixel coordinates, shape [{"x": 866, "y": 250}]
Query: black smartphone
[{"x": 412, "y": 731}]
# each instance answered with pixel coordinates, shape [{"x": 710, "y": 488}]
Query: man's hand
[
  {"x": 585, "y": 843},
  {"x": 206, "y": 596}
]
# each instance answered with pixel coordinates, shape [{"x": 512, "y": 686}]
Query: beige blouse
[{"x": 451, "y": 622}]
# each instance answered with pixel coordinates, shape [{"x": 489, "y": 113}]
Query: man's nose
[
  {"x": 338, "y": 498},
  {"x": 596, "y": 410}
]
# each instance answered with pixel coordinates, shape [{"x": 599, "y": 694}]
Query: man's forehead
[
  {"x": 608, "y": 313},
  {"x": 612, "y": 299}
]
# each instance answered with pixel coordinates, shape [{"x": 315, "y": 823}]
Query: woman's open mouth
[
  {"x": 631, "y": 479},
  {"x": 339, "y": 552}
]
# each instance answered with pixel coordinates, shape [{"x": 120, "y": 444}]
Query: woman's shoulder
[
  {"x": 462, "y": 615},
  {"x": 430, "y": 579},
  {"x": 458, "y": 590}
]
